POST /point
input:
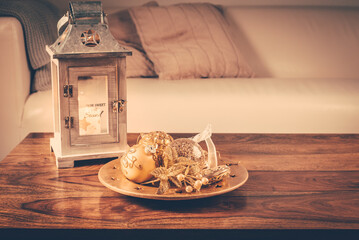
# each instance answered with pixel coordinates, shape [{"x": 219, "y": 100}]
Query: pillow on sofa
[
  {"x": 138, "y": 65},
  {"x": 124, "y": 31},
  {"x": 188, "y": 41}
]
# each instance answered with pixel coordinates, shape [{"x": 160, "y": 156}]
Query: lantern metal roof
[{"x": 85, "y": 34}]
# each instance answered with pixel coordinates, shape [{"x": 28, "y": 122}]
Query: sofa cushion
[
  {"x": 122, "y": 27},
  {"x": 298, "y": 42},
  {"x": 256, "y": 105},
  {"x": 188, "y": 41},
  {"x": 124, "y": 31}
]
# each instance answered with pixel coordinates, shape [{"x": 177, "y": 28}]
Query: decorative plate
[{"x": 110, "y": 176}]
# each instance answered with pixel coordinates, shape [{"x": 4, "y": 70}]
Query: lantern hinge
[
  {"x": 68, "y": 91},
  {"x": 118, "y": 105},
  {"x": 69, "y": 122}
]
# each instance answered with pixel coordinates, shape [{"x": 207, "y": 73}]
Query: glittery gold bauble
[
  {"x": 188, "y": 148},
  {"x": 137, "y": 164},
  {"x": 157, "y": 137},
  {"x": 158, "y": 140}
]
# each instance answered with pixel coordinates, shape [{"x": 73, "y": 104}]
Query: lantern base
[{"x": 68, "y": 160}]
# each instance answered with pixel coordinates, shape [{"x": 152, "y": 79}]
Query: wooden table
[{"x": 296, "y": 181}]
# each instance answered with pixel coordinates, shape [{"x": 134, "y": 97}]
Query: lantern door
[{"x": 92, "y": 120}]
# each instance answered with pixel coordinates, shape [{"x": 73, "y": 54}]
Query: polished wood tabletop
[{"x": 296, "y": 181}]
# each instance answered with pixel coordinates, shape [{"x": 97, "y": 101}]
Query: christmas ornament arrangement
[{"x": 165, "y": 162}]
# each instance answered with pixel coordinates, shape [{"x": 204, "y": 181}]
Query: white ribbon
[{"x": 211, "y": 148}]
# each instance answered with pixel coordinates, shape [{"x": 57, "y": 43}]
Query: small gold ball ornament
[
  {"x": 138, "y": 163},
  {"x": 204, "y": 181},
  {"x": 189, "y": 189},
  {"x": 197, "y": 185},
  {"x": 180, "y": 177}
]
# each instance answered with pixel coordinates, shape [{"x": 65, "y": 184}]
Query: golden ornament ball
[
  {"x": 157, "y": 137},
  {"x": 138, "y": 163},
  {"x": 158, "y": 140}
]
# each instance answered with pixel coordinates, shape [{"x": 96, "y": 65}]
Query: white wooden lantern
[{"x": 89, "y": 88}]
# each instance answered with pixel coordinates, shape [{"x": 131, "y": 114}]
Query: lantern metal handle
[{"x": 86, "y": 12}]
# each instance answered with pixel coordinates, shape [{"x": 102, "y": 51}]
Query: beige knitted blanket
[{"x": 38, "y": 19}]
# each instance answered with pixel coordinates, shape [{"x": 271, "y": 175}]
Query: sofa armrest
[{"x": 15, "y": 80}]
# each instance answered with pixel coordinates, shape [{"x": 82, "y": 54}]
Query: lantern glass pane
[{"x": 93, "y": 105}]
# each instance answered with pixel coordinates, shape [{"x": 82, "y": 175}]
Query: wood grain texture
[{"x": 295, "y": 182}]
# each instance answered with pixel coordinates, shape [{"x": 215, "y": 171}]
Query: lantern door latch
[
  {"x": 118, "y": 105},
  {"x": 68, "y": 91},
  {"x": 69, "y": 122}
]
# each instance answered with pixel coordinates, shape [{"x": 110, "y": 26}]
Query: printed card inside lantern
[{"x": 88, "y": 86}]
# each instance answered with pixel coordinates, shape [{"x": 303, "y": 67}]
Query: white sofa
[{"x": 306, "y": 61}]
